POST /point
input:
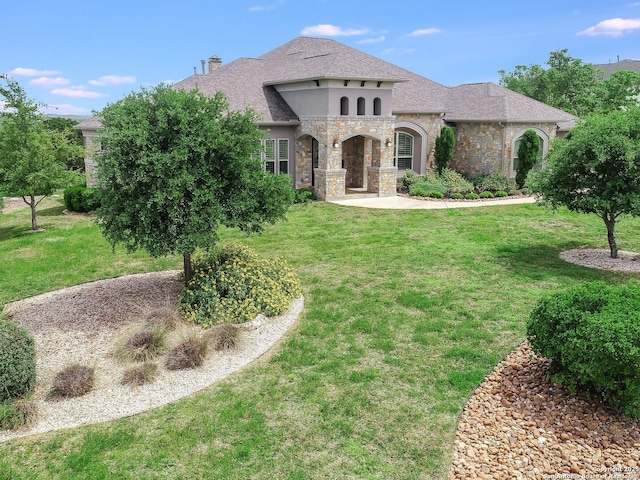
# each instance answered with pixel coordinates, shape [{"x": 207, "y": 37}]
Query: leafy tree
[
  {"x": 572, "y": 85},
  {"x": 527, "y": 155},
  {"x": 595, "y": 169},
  {"x": 445, "y": 144},
  {"x": 66, "y": 126},
  {"x": 175, "y": 165},
  {"x": 32, "y": 158}
]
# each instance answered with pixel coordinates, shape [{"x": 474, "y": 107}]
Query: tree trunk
[
  {"x": 188, "y": 271},
  {"x": 610, "y": 221},
  {"x": 34, "y": 221}
]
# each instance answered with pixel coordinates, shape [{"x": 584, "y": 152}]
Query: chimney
[
  {"x": 215, "y": 62},
  {"x": 202, "y": 61}
]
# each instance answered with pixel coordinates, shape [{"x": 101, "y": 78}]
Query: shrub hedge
[
  {"x": 17, "y": 361},
  {"x": 591, "y": 333},
  {"x": 81, "y": 199}
]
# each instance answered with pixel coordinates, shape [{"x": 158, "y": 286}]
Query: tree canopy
[
  {"x": 32, "y": 157},
  {"x": 595, "y": 169},
  {"x": 175, "y": 165},
  {"x": 573, "y": 86}
]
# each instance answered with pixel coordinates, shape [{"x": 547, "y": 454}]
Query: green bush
[
  {"x": 418, "y": 192},
  {"x": 501, "y": 193},
  {"x": 17, "y": 413},
  {"x": 435, "y": 194},
  {"x": 303, "y": 195},
  {"x": 457, "y": 196},
  {"x": 17, "y": 361},
  {"x": 404, "y": 183},
  {"x": 428, "y": 186},
  {"x": 231, "y": 284},
  {"x": 496, "y": 181},
  {"x": 454, "y": 182},
  {"x": 81, "y": 199},
  {"x": 472, "y": 196},
  {"x": 591, "y": 333},
  {"x": 486, "y": 194}
]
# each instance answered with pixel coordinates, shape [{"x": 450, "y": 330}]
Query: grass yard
[{"x": 405, "y": 313}]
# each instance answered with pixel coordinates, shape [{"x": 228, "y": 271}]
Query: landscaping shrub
[
  {"x": 141, "y": 345},
  {"x": 454, "y": 181},
  {"x": 486, "y": 194},
  {"x": 231, "y": 284},
  {"x": 81, "y": 199},
  {"x": 472, "y": 196},
  {"x": 303, "y": 195},
  {"x": 17, "y": 361},
  {"x": 405, "y": 182},
  {"x": 501, "y": 193},
  {"x": 17, "y": 413},
  {"x": 189, "y": 353},
  {"x": 457, "y": 196},
  {"x": 591, "y": 334},
  {"x": 139, "y": 374},
  {"x": 435, "y": 194},
  {"x": 496, "y": 181},
  {"x": 74, "y": 381},
  {"x": 418, "y": 192},
  {"x": 428, "y": 187},
  {"x": 224, "y": 337}
]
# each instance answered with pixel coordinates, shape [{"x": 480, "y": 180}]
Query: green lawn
[{"x": 405, "y": 313}]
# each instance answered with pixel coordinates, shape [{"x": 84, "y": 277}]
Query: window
[
  {"x": 344, "y": 106},
  {"x": 377, "y": 106},
  {"x": 403, "y": 152},
  {"x": 276, "y": 160},
  {"x": 361, "y": 104}
]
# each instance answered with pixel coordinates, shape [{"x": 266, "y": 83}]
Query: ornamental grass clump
[
  {"x": 233, "y": 285},
  {"x": 139, "y": 374},
  {"x": 141, "y": 344},
  {"x": 591, "y": 334},
  {"x": 224, "y": 337},
  {"x": 18, "y": 413},
  {"x": 74, "y": 381},
  {"x": 190, "y": 353}
]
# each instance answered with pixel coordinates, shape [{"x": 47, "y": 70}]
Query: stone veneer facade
[{"x": 489, "y": 147}]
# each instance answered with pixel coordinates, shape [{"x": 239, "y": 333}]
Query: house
[
  {"x": 340, "y": 121},
  {"x": 609, "y": 69}
]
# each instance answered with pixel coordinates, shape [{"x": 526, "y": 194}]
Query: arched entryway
[{"x": 358, "y": 154}]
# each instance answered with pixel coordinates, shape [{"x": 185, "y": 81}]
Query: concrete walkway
[{"x": 404, "y": 203}]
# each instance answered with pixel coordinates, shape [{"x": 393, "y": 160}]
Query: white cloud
[
  {"x": 367, "y": 41},
  {"x": 64, "y": 109},
  {"x": 111, "y": 80},
  {"x": 48, "y": 82},
  {"x": 326, "y": 30},
  {"x": 613, "y": 27},
  {"x": 395, "y": 51},
  {"x": 424, "y": 31},
  {"x": 32, "y": 72},
  {"x": 76, "y": 92}
]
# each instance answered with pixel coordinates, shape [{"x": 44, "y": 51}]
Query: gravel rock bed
[{"x": 81, "y": 324}]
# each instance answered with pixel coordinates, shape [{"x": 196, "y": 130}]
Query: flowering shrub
[{"x": 233, "y": 285}]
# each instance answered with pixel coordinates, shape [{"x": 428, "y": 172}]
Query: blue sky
[{"x": 80, "y": 55}]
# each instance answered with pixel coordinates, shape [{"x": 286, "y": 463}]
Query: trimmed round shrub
[
  {"x": 472, "y": 196},
  {"x": 435, "y": 194},
  {"x": 231, "y": 284},
  {"x": 81, "y": 199},
  {"x": 486, "y": 194},
  {"x": 591, "y": 334},
  {"x": 418, "y": 192},
  {"x": 457, "y": 196},
  {"x": 501, "y": 193},
  {"x": 17, "y": 361}
]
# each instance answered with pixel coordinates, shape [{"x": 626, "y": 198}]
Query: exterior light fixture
[
  {"x": 388, "y": 142},
  {"x": 335, "y": 143}
]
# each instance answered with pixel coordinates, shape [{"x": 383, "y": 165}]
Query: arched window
[
  {"x": 403, "y": 151},
  {"x": 361, "y": 105},
  {"x": 344, "y": 106},
  {"x": 377, "y": 106},
  {"x": 514, "y": 153}
]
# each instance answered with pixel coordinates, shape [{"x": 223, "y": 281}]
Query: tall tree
[
  {"x": 66, "y": 126},
  {"x": 445, "y": 145},
  {"x": 175, "y": 165},
  {"x": 528, "y": 155},
  {"x": 595, "y": 169},
  {"x": 572, "y": 85},
  {"x": 32, "y": 158}
]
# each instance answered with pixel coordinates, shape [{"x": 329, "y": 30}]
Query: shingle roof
[
  {"x": 478, "y": 102},
  {"x": 609, "y": 68}
]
